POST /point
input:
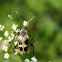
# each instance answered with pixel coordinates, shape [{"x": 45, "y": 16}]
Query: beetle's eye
[
  {"x": 21, "y": 49},
  {"x": 20, "y": 42},
  {"x": 26, "y": 42},
  {"x": 18, "y": 33},
  {"x": 26, "y": 48}
]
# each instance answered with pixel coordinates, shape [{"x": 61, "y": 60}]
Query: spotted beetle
[{"x": 23, "y": 39}]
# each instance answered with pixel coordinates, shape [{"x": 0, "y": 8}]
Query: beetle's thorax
[{"x": 23, "y": 32}]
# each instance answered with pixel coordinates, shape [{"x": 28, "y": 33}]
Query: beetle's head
[
  {"x": 22, "y": 32},
  {"x": 25, "y": 24}
]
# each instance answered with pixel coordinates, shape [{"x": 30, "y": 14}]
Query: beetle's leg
[
  {"x": 33, "y": 47},
  {"x": 14, "y": 50},
  {"x": 34, "y": 42},
  {"x": 15, "y": 47},
  {"x": 32, "y": 37}
]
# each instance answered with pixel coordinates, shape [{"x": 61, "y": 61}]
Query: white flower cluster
[
  {"x": 1, "y": 27},
  {"x": 5, "y": 48},
  {"x": 9, "y": 37},
  {"x": 33, "y": 59},
  {"x": 6, "y": 55},
  {"x": 5, "y": 42}
]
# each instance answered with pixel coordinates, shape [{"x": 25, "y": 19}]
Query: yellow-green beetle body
[{"x": 23, "y": 39}]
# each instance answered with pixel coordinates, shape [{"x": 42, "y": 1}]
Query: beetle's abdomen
[
  {"x": 23, "y": 44},
  {"x": 23, "y": 49}
]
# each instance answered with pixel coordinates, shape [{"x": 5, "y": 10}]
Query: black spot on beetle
[
  {"x": 21, "y": 49},
  {"x": 20, "y": 42},
  {"x": 26, "y": 48},
  {"x": 26, "y": 42}
]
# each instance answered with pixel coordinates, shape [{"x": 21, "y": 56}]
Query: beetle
[{"x": 23, "y": 39}]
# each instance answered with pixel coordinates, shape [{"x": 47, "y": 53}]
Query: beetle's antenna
[
  {"x": 26, "y": 23},
  {"x": 18, "y": 16},
  {"x": 30, "y": 20}
]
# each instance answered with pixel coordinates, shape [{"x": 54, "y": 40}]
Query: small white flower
[
  {"x": 5, "y": 41},
  {"x": 6, "y": 33},
  {"x": 1, "y": 38},
  {"x": 14, "y": 27},
  {"x": 17, "y": 50},
  {"x": 6, "y": 55},
  {"x": 1, "y": 27},
  {"x": 27, "y": 60},
  {"x": 8, "y": 41},
  {"x": 5, "y": 48},
  {"x": 10, "y": 17},
  {"x": 15, "y": 53},
  {"x": 16, "y": 43},
  {"x": 9, "y": 38},
  {"x": 17, "y": 30},
  {"x": 34, "y": 59},
  {"x": 25, "y": 23},
  {"x": 12, "y": 35}
]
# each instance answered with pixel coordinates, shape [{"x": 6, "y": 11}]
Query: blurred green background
[{"x": 46, "y": 26}]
